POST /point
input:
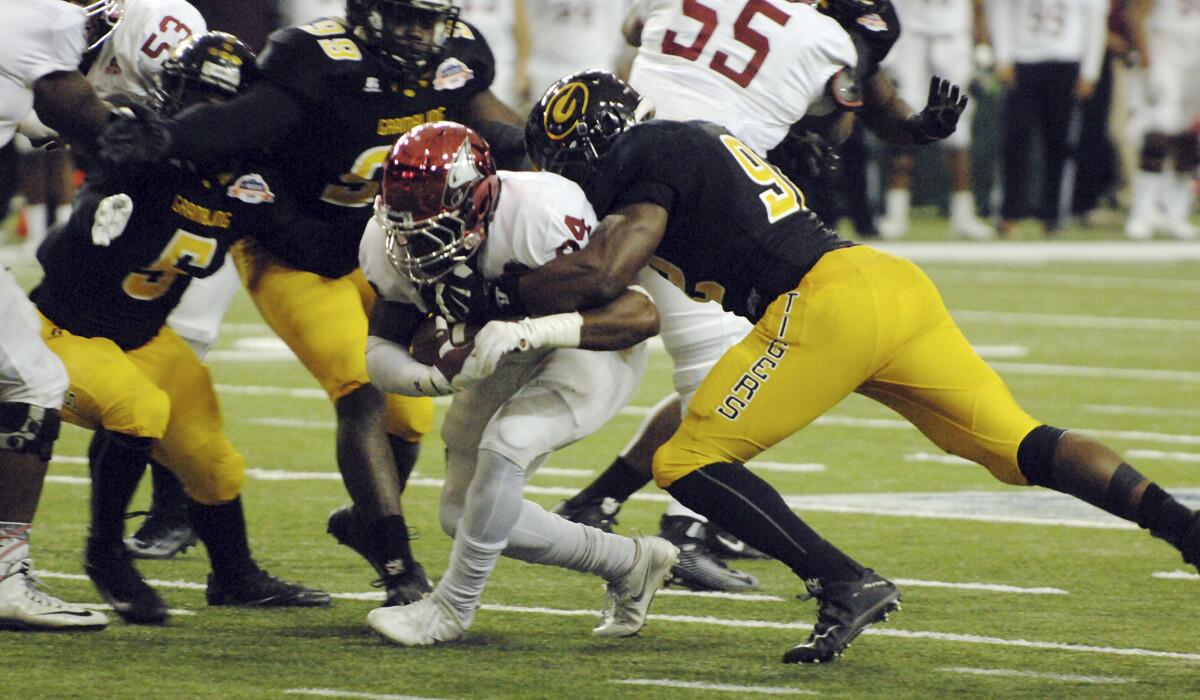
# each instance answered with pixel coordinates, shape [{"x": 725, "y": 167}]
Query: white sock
[
  {"x": 962, "y": 206},
  {"x": 896, "y": 203},
  {"x": 674, "y": 507},
  {"x": 14, "y": 545},
  {"x": 61, "y": 213},
  {"x": 541, "y": 537},
  {"x": 1178, "y": 197},
  {"x": 35, "y": 226},
  {"x": 1147, "y": 186},
  {"x": 491, "y": 509}
]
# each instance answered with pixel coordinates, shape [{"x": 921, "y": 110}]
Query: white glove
[
  {"x": 498, "y": 338},
  {"x": 112, "y": 214},
  {"x": 495, "y": 340}
]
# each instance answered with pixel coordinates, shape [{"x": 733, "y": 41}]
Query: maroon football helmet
[{"x": 439, "y": 194}]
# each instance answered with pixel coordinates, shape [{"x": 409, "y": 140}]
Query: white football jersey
[
  {"x": 134, "y": 53},
  {"x": 1039, "y": 31},
  {"x": 1178, "y": 19},
  {"x": 936, "y": 17},
  {"x": 573, "y": 35},
  {"x": 539, "y": 217},
  {"x": 40, "y": 37},
  {"x": 755, "y": 68}
]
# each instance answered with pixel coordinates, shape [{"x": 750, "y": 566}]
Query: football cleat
[
  {"x": 727, "y": 546},
  {"x": 408, "y": 586},
  {"x": 23, "y": 606},
  {"x": 846, "y": 609},
  {"x": 261, "y": 589},
  {"x": 404, "y": 582},
  {"x": 972, "y": 228},
  {"x": 162, "y": 535},
  {"x": 600, "y": 514},
  {"x": 629, "y": 596},
  {"x": 698, "y": 568},
  {"x": 346, "y": 528},
  {"x": 111, "y": 569},
  {"x": 427, "y": 621}
]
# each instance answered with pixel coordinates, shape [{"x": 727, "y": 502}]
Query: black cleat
[
  {"x": 408, "y": 586},
  {"x": 403, "y": 581},
  {"x": 261, "y": 589},
  {"x": 847, "y": 608},
  {"x": 110, "y": 567},
  {"x": 698, "y": 568},
  {"x": 727, "y": 546},
  {"x": 600, "y": 514},
  {"x": 162, "y": 535},
  {"x": 1189, "y": 544}
]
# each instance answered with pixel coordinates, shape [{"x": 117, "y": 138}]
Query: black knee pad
[
  {"x": 1155, "y": 147},
  {"x": 28, "y": 428},
  {"x": 1035, "y": 455}
]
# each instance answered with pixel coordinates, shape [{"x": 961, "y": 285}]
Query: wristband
[{"x": 554, "y": 331}]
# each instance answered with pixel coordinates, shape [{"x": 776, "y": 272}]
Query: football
[{"x": 426, "y": 343}]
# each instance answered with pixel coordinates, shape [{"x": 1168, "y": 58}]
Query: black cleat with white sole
[
  {"x": 111, "y": 569},
  {"x": 846, "y": 609}
]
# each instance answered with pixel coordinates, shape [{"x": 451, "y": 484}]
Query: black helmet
[
  {"x": 407, "y": 36},
  {"x": 214, "y": 66},
  {"x": 574, "y": 124}
]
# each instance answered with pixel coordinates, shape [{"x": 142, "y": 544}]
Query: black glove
[
  {"x": 940, "y": 116},
  {"x": 464, "y": 296},
  {"x": 131, "y": 139},
  {"x": 806, "y": 157}
]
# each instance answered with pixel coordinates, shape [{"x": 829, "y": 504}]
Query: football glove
[
  {"x": 464, "y": 296},
  {"x": 131, "y": 138},
  {"x": 940, "y": 116},
  {"x": 806, "y": 157}
]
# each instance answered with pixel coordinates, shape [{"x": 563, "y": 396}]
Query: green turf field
[{"x": 1008, "y": 593}]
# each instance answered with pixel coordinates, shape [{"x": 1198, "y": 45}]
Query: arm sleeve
[
  {"x": 252, "y": 122},
  {"x": 393, "y": 369}
]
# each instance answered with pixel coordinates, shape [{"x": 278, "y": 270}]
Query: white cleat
[
  {"x": 1183, "y": 230},
  {"x": 892, "y": 229},
  {"x": 973, "y": 229},
  {"x": 430, "y": 620},
  {"x": 1138, "y": 229},
  {"x": 23, "y": 606},
  {"x": 629, "y": 597}
]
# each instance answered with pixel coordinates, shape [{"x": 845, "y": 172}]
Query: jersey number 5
[
  {"x": 707, "y": 17},
  {"x": 184, "y": 250}
]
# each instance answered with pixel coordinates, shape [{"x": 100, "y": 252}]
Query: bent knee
[
  {"x": 214, "y": 481},
  {"x": 409, "y": 418},
  {"x": 144, "y": 413}
]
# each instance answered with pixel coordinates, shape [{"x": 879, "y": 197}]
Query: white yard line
[
  {"x": 716, "y": 687},
  {"x": 1173, "y": 325},
  {"x": 1159, "y": 454},
  {"x": 1118, "y": 410},
  {"x": 765, "y": 624},
  {"x": 1036, "y": 675},
  {"x": 1042, "y": 370},
  {"x": 333, "y": 693},
  {"x": 1072, "y": 282},
  {"x": 1177, "y": 575},
  {"x": 989, "y": 587},
  {"x": 1038, "y": 252}
]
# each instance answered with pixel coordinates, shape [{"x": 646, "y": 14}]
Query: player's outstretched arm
[
  {"x": 893, "y": 120},
  {"x": 254, "y": 121}
]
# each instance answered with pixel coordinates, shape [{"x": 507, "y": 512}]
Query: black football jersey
[
  {"x": 355, "y": 110},
  {"x": 181, "y": 227},
  {"x": 738, "y": 231}
]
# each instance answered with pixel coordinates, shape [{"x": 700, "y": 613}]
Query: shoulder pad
[{"x": 467, "y": 54}]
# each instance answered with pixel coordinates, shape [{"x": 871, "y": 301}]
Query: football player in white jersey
[
  {"x": 39, "y": 63},
  {"x": 1166, "y": 108},
  {"x": 939, "y": 38},
  {"x": 506, "y": 26},
  {"x": 700, "y": 61},
  {"x": 443, "y": 204},
  {"x": 571, "y": 35}
]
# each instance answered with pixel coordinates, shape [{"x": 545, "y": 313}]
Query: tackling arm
[
  {"x": 501, "y": 127},
  {"x": 252, "y": 122},
  {"x": 66, "y": 102}
]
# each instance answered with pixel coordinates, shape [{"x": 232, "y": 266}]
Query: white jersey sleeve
[
  {"x": 754, "y": 68},
  {"x": 387, "y": 281},
  {"x": 134, "y": 54},
  {"x": 40, "y": 37},
  {"x": 539, "y": 217}
]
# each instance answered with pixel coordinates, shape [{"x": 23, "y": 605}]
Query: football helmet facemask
[
  {"x": 210, "y": 67},
  {"x": 574, "y": 124},
  {"x": 438, "y": 197},
  {"x": 408, "y": 36},
  {"x": 102, "y": 19}
]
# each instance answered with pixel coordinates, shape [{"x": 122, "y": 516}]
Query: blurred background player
[
  {"x": 938, "y": 38},
  {"x": 333, "y": 97},
  {"x": 1048, "y": 56},
  {"x": 111, "y": 277},
  {"x": 39, "y": 62},
  {"x": 1166, "y": 112},
  {"x": 573, "y": 35},
  {"x": 444, "y": 205},
  {"x": 505, "y": 23}
]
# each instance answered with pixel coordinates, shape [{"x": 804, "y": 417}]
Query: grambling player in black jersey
[
  {"x": 831, "y": 318},
  {"x": 112, "y": 276},
  {"x": 335, "y": 95}
]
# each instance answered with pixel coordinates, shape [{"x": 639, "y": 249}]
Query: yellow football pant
[
  {"x": 160, "y": 391},
  {"x": 861, "y": 320},
  {"x": 324, "y": 321}
]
